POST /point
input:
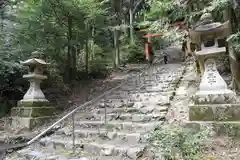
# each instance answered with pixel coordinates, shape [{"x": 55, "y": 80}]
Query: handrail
[
  {"x": 84, "y": 105},
  {"x": 139, "y": 74}
]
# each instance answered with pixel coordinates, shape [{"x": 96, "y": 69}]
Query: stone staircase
[{"x": 115, "y": 128}]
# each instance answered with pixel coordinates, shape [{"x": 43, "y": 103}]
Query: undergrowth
[{"x": 178, "y": 143}]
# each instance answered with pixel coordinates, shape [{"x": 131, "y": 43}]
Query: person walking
[
  {"x": 165, "y": 58},
  {"x": 151, "y": 53}
]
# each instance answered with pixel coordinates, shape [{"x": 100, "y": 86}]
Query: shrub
[
  {"x": 135, "y": 53},
  {"x": 98, "y": 68},
  {"x": 175, "y": 142}
]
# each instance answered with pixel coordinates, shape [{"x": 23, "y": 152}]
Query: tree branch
[{"x": 136, "y": 6}]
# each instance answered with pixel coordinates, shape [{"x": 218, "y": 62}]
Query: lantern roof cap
[
  {"x": 206, "y": 17},
  {"x": 34, "y": 61}
]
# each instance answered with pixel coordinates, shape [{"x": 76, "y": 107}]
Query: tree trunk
[
  {"x": 126, "y": 27},
  {"x": 92, "y": 42},
  {"x": 86, "y": 49},
  {"x": 116, "y": 46},
  {"x": 234, "y": 22},
  {"x": 69, "y": 53},
  {"x": 131, "y": 22}
]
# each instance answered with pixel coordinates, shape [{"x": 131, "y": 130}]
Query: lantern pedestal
[
  {"x": 34, "y": 109},
  {"x": 29, "y": 114},
  {"x": 214, "y": 105}
]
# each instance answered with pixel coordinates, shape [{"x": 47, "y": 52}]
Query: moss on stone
[
  {"x": 229, "y": 129},
  {"x": 33, "y": 111},
  {"x": 200, "y": 113},
  {"x": 215, "y": 112},
  {"x": 33, "y": 104}
]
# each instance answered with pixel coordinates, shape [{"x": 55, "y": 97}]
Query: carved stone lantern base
[
  {"x": 214, "y": 105},
  {"x": 34, "y": 109},
  {"x": 29, "y": 114}
]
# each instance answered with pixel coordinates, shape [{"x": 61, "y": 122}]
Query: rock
[
  {"x": 130, "y": 104},
  {"x": 45, "y": 141},
  {"x": 146, "y": 155},
  {"x": 67, "y": 131},
  {"x": 107, "y": 151},
  {"x": 111, "y": 135},
  {"x": 36, "y": 154},
  {"x": 138, "y": 105},
  {"x": 83, "y": 158},
  {"x": 132, "y": 153},
  {"x": 146, "y": 110},
  {"x": 24, "y": 151},
  {"x": 137, "y": 118},
  {"x": 52, "y": 157}
]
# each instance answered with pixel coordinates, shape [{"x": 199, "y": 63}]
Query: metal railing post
[
  {"x": 2, "y": 155},
  {"x": 73, "y": 133},
  {"x": 138, "y": 79},
  {"x": 105, "y": 113}
]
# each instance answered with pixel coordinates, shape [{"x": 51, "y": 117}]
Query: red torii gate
[{"x": 148, "y": 44}]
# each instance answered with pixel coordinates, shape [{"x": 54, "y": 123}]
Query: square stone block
[
  {"x": 215, "y": 97},
  {"x": 33, "y": 111},
  {"x": 23, "y": 103},
  {"x": 29, "y": 122},
  {"x": 226, "y": 128},
  {"x": 214, "y": 112},
  {"x": 200, "y": 113},
  {"x": 29, "y": 114}
]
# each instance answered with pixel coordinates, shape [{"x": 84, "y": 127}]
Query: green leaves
[
  {"x": 176, "y": 142},
  {"x": 159, "y": 8}
]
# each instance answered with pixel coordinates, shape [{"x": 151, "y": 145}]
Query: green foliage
[
  {"x": 175, "y": 142},
  {"x": 235, "y": 39},
  {"x": 75, "y": 36},
  {"x": 134, "y": 52},
  {"x": 159, "y": 9},
  {"x": 235, "y": 42},
  {"x": 218, "y": 5},
  {"x": 98, "y": 68}
]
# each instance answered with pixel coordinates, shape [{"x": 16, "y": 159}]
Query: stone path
[
  {"x": 178, "y": 112},
  {"x": 132, "y": 111}
]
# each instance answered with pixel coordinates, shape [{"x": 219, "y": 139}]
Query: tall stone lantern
[
  {"x": 34, "y": 108},
  {"x": 213, "y": 103}
]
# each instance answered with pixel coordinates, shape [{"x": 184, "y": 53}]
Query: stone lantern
[
  {"x": 35, "y": 77},
  {"x": 34, "y": 108},
  {"x": 213, "y": 102},
  {"x": 208, "y": 35}
]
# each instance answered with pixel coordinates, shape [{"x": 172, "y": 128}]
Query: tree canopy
[{"x": 84, "y": 38}]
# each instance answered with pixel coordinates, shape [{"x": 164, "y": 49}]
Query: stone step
[
  {"x": 135, "y": 96},
  {"x": 119, "y": 125},
  {"x": 155, "y": 101},
  {"x": 136, "y": 93},
  {"x": 101, "y": 147},
  {"x": 104, "y": 134},
  {"x": 163, "y": 92},
  {"x": 43, "y": 154},
  {"x": 135, "y": 117},
  {"x": 157, "y": 109}
]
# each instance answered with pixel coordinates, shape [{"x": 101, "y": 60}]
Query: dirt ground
[{"x": 222, "y": 148}]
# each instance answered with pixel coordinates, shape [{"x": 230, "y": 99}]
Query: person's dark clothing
[
  {"x": 165, "y": 58},
  {"x": 151, "y": 54}
]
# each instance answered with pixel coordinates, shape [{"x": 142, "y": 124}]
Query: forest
[{"x": 86, "y": 39}]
